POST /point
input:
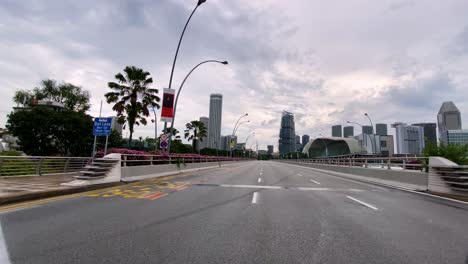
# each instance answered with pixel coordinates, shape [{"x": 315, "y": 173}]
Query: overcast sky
[{"x": 325, "y": 61}]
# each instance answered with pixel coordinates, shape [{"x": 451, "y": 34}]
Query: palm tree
[
  {"x": 175, "y": 133},
  {"x": 132, "y": 96},
  {"x": 195, "y": 130}
]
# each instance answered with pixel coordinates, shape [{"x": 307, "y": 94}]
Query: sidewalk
[{"x": 18, "y": 189}]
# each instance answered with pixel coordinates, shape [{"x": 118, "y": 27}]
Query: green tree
[
  {"x": 42, "y": 131},
  {"x": 114, "y": 141},
  {"x": 175, "y": 133},
  {"x": 73, "y": 97},
  {"x": 195, "y": 130},
  {"x": 132, "y": 96},
  {"x": 454, "y": 152}
]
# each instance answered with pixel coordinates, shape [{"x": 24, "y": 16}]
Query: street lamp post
[
  {"x": 374, "y": 147},
  {"x": 235, "y": 131},
  {"x": 178, "y": 47},
  {"x": 178, "y": 94},
  {"x": 235, "y": 128},
  {"x": 155, "y": 129}
]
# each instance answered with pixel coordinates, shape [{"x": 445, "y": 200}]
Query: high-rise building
[
  {"x": 225, "y": 140},
  {"x": 430, "y": 132},
  {"x": 116, "y": 125},
  {"x": 206, "y": 122},
  {"x": 348, "y": 131},
  {"x": 381, "y": 129},
  {"x": 448, "y": 118},
  {"x": 214, "y": 126},
  {"x": 367, "y": 130},
  {"x": 270, "y": 149},
  {"x": 298, "y": 143},
  {"x": 305, "y": 140},
  {"x": 409, "y": 139},
  {"x": 287, "y": 138},
  {"x": 456, "y": 137},
  {"x": 336, "y": 131}
]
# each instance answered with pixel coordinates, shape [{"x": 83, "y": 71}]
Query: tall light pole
[
  {"x": 178, "y": 47},
  {"x": 235, "y": 128},
  {"x": 235, "y": 131},
  {"x": 374, "y": 147},
  {"x": 350, "y": 122},
  {"x": 178, "y": 94},
  {"x": 155, "y": 129}
]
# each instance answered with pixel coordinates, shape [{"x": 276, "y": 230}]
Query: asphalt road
[{"x": 254, "y": 212}]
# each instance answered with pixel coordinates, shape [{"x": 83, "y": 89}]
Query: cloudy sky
[{"x": 325, "y": 61}]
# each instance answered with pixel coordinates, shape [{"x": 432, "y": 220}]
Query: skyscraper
[
  {"x": 430, "y": 133},
  {"x": 348, "y": 131},
  {"x": 367, "y": 130},
  {"x": 287, "y": 140},
  {"x": 206, "y": 122},
  {"x": 298, "y": 143},
  {"x": 409, "y": 139},
  {"x": 305, "y": 140},
  {"x": 336, "y": 131},
  {"x": 214, "y": 124},
  {"x": 381, "y": 129},
  {"x": 448, "y": 118}
]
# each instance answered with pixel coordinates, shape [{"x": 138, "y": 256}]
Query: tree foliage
[
  {"x": 132, "y": 96},
  {"x": 453, "y": 152},
  {"x": 73, "y": 97},
  {"x": 195, "y": 130},
  {"x": 45, "y": 132}
]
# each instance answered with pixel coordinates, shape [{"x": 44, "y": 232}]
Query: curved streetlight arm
[
  {"x": 235, "y": 126},
  {"x": 349, "y": 122},
  {"x": 178, "y": 94},
  {"x": 247, "y": 138},
  {"x": 374, "y": 148},
  {"x": 235, "y": 130},
  {"x": 180, "y": 41}
]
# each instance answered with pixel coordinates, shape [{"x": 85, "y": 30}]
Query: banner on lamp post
[{"x": 167, "y": 111}]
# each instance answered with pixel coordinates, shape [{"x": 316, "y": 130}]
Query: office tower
[
  {"x": 409, "y": 139},
  {"x": 367, "y": 130},
  {"x": 214, "y": 123},
  {"x": 206, "y": 122},
  {"x": 430, "y": 132},
  {"x": 455, "y": 137},
  {"x": 336, "y": 131},
  {"x": 448, "y": 118},
  {"x": 270, "y": 149},
  {"x": 116, "y": 125},
  {"x": 348, "y": 131},
  {"x": 298, "y": 143},
  {"x": 305, "y": 140},
  {"x": 381, "y": 129},
  {"x": 287, "y": 142}
]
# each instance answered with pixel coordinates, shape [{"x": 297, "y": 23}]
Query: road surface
[{"x": 253, "y": 212}]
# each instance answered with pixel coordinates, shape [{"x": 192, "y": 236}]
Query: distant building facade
[
  {"x": 206, "y": 122},
  {"x": 298, "y": 143},
  {"x": 409, "y": 139},
  {"x": 116, "y": 125},
  {"x": 448, "y": 118},
  {"x": 456, "y": 137},
  {"x": 348, "y": 131},
  {"x": 367, "y": 130},
  {"x": 336, "y": 131},
  {"x": 270, "y": 149},
  {"x": 287, "y": 139},
  {"x": 305, "y": 140},
  {"x": 214, "y": 127},
  {"x": 430, "y": 132},
  {"x": 381, "y": 129}
]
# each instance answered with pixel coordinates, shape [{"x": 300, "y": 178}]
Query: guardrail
[
  {"x": 390, "y": 163},
  {"x": 148, "y": 159},
  {"x": 37, "y": 166}
]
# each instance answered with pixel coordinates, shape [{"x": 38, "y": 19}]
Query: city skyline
[{"x": 299, "y": 70}]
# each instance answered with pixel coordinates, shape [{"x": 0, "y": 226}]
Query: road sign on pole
[
  {"x": 102, "y": 126},
  {"x": 163, "y": 141}
]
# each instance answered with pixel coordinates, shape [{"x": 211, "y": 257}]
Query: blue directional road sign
[{"x": 102, "y": 126}]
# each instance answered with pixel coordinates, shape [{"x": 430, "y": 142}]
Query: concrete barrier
[
  {"x": 408, "y": 179},
  {"x": 135, "y": 173}
]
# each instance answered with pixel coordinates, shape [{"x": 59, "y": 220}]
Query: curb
[
  {"x": 47, "y": 194},
  {"x": 444, "y": 199}
]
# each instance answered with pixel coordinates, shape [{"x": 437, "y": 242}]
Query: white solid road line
[
  {"x": 255, "y": 197},
  {"x": 259, "y": 180},
  {"x": 316, "y": 182},
  {"x": 363, "y": 203},
  {"x": 4, "y": 259},
  {"x": 251, "y": 186}
]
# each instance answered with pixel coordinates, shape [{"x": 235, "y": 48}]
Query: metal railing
[
  {"x": 141, "y": 160},
  {"x": 390, "y": 163},
  {"x": 37, "y": 166}
]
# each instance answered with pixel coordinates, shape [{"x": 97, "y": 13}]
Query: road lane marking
[
  {"x": 316, "y": 182},
  {"x": 4, "y": 259},
  {"x": 363, "y": 203},
  {"x": 300, "y": 175},
  {"x": 278, "y": 187},
  {"x": 259, "y": 180},
  {"x": 261, "y": 173},
  {"x": 255, "y": 197},
  {"x": 251, "y": 186}
]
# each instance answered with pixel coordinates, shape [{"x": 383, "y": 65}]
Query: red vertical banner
[{"x": 167, "y": 111}]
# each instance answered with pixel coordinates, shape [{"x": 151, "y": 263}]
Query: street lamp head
[
  {"x": 365, "y": 114},
  {"x": 225, "y": 62},
  {"x": 246, "y": 114},
  {"x": 348, "y": 122},
  {"x": 201, "y": 2}
]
